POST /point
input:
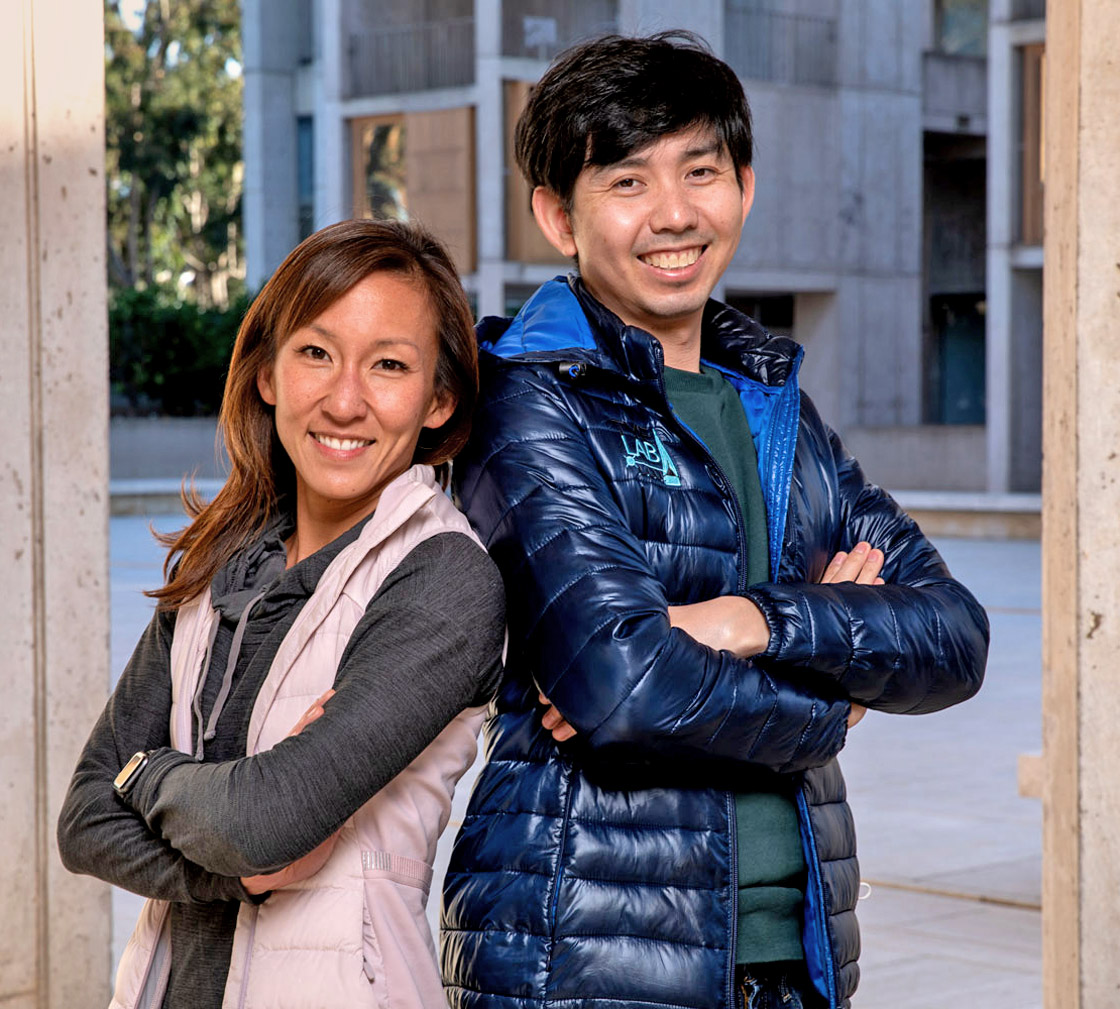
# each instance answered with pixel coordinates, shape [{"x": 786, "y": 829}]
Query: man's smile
[{"x": 676, "y": 259}]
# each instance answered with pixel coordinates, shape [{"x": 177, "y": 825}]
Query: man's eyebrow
[{"x": 711, "y": 148}]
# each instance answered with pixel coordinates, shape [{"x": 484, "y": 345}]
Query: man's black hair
[{"x": 606, "y": 98}]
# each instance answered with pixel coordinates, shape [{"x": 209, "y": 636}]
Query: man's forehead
[{"x": 692, "y": 142}]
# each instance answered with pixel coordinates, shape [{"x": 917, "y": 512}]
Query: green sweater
[{"x": 771, "y": 862}]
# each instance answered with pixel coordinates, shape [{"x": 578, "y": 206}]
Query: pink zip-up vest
[{"x": 355, "y": 934}]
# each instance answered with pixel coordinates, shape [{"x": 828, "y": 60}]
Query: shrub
[{"x": 168, "y": 356}]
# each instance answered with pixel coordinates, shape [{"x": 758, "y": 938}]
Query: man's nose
[{"x": 674, "y": 209}]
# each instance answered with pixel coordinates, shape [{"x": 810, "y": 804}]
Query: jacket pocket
[{"x": 400, "y": 955}]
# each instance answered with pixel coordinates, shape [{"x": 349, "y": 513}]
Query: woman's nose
[{"x": 346, "y": 395}]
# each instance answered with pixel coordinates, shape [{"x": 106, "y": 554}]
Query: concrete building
[{"x": 883, "y": 235}]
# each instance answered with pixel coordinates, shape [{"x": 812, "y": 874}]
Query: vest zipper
[{"x": 244, "y": 993}]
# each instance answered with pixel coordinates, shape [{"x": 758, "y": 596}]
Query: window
[
  {"x": 419, "y": 167},
  {"x": 958, "y": 364},
  {"x": 1032, "y": 173},
  {"x": 961, "y": 27},
  {"x": 772, "y": 311},
  {"x": 305, "y": 174}
]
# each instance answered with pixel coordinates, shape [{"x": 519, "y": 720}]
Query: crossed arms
[{"x": 632, "y": 674}]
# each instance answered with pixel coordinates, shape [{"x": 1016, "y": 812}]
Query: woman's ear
[
  {"x": 264, "y": 384},
  {"x": 441, "y": 411},
  {"x": 554, "y": 221}
]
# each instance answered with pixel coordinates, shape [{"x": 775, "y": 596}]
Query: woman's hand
[
  {"x": 301, "y": 868},
  {"x": 314, "y": 860}
]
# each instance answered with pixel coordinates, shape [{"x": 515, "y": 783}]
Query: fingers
[
  {"x": 311, "y": 714},
  {"x": 857, "y": 712},
  {"x": 861, "y": 566},
  {"x": 554, "y": 722}
]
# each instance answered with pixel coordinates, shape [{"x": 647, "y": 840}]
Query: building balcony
[
  {"x": 781, "y": 48},
  {"x": 954, "y": 93},
  {"x": 539, "y": 29},
  {"x": 415, "y": 57}
]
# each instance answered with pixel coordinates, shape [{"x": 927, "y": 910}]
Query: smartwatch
[{"x": 124, "y": 781}]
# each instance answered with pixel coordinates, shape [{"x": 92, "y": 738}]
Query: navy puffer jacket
[{"x": 602, "y": 871}]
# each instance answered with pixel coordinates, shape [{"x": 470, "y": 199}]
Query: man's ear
[
  {"x": 554, "y": 221},
  {"x": 746, "y": 181},
  {"x": 264, "y": 384}
]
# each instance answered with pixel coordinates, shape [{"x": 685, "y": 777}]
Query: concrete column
[
  {"x": 270, "y": 208},
  {"x": 54, "y": 624},
  {"x": 1081, "y": 498},
  {"x": 489, "y": 147}
]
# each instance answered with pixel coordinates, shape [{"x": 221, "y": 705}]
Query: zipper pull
[{"x": 572, "y": 369}]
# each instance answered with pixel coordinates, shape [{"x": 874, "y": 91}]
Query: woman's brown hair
[{"x": 318, "y": 272}]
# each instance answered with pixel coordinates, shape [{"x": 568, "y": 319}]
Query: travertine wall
[
  {"x": 1081, "y": 500},
  {"x": 54, "y": 623}
]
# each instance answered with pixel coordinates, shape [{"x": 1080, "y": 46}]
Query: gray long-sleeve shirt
[{"x": 428, "y": 646}]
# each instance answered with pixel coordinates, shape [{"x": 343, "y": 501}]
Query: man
[{"x": 696, "y": 612}]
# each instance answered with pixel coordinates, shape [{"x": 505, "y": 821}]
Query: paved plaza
[{"x": 950, "y": 854}]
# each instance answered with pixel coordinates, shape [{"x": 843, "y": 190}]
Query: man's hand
[
  {"x": 861, "y": 566},
  {"x": 735, "y": 624},
  {"x": 314, "y": 860}
]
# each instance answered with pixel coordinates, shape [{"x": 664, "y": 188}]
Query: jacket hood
[{"x": 563, "y": 321}]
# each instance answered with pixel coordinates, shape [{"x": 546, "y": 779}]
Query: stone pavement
[{"x": 950, "y": 853}]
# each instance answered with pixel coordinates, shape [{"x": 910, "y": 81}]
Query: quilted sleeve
[
  {"x": 588, "y": 618},
  {"x": 919, "y": 643}
]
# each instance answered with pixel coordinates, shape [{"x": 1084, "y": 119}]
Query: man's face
[{"x": 655, "y": 231}]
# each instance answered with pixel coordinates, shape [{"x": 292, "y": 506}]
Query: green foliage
[
  {"x": 169, "y": 356},
  {"x": 173, "y": 148}
]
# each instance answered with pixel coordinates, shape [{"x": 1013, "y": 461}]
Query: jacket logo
[{"x": 651, "y": 455}]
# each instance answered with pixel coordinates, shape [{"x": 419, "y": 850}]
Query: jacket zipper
[
  {"x": 741, "y": 568},
  {"x": 724, "y": 485},
  {"x": 734, "y": 951},
  {"x": 554, "y": 903},
  {"x": 814, "y": 866}
]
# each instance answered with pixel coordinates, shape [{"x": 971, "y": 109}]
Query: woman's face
[{"x": 352, "y": 390}]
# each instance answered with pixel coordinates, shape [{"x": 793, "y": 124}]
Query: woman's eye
[
  {"x": 314, "y": 353},
  {"x": 391, "y": 364}
]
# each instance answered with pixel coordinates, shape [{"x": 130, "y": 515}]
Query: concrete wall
[
  {"x": 53, "y": 478},
  {"x": 144, "y": 448}
]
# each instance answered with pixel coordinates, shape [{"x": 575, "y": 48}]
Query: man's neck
[{"x": 682, "y": 351}]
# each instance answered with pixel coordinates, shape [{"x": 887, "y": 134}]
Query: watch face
[{"x": 128, "y": 774}]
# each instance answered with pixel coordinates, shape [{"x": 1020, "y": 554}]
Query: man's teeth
[
  {"x": 672, "y": 260},
  {"x": 341, "y": 444}
]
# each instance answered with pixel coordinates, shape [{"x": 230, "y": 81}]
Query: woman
[{"x": 277, "y": 761}]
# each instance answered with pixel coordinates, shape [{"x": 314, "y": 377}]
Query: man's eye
[
  {"x": 701, "y": 173},
  {"x": 626, "y": 183}
]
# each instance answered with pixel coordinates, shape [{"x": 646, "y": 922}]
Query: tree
[{"x": 173, "y": 139}]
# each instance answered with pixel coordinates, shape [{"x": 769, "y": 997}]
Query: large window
[
  {"x": 418, "y": 166},
  {"x": 1032, "y": 63},
  {"x": 305, "y": 174}
]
